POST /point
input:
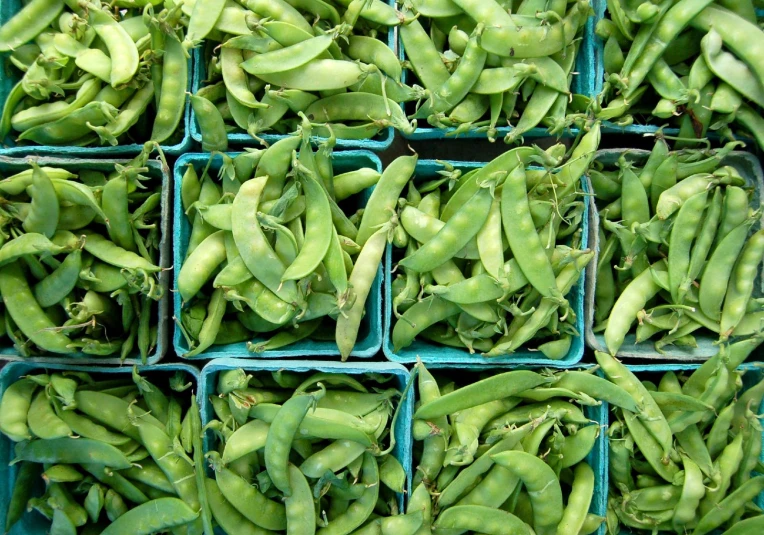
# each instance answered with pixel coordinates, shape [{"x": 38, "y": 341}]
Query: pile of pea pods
[
  {"x": 80, "y": 270},
  {"x": 694, "y": 64},
  {"x": 95, "y": 74},
  {"x": 268, "y": 60},
  {"x": 491, "y": 254},
  {"x": 679, "y": 249},
  {"x": 273, "y": 254},
  {"x": 511, "y": 452},
  {"x": 319, "y": 446},
  {"x": 687, "y": 461},
  {"x": 488, "y": 64},
  {"x": 105, "y": 454}
]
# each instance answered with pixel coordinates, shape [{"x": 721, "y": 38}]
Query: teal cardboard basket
[
  {"x": 750, "y": 168},
  {"x": 370, "y": 335},
  {"x": 443, "y": 356},
  {"x": 403, "y": 440},
  {"x": 9, "y": 76},
  {"x": 378, "y": 143},
  {"x": 597, "y": 458},
  {"x": 753, "y": 375},
  {"x": 584, "y": 83},
  {"x": 32, "y": 523},
  {"x": 10, "y": 166}
]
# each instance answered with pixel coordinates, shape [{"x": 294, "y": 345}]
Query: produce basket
[
  {"x": 749, "y": 167},
  {"x": 370, "y": 336},
  {"x": 161, "y": 316}
]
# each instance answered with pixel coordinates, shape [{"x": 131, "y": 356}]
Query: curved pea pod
[
  {"x": 20, "y": 304},
  {"x": 490, "y": 389},
  {"x": 543, "y": 488},
  {"x": 632, "y": 299},
  {"x": 72, "y": 451},
  {"x": 172, "y": 90},
  {"x": 741, "y": 284},
  {"x": 597, "y": 388},
  {"x": 577, "y": 447},
  {"x": 314, "y": 426},
  {"x": 152, "y": 517},
  {"x": 359, "y": 107},
  {"x": 30, "y": 243},
  {"x": 30, "y": 21},
  {"x": 225, "y": 514},
  {"x": 43, "y": 421},
  {"x": 115, "y": 255},
  {"x": 715, "y": 280},
  {"x": 250, "y": 502},
  {"x": 14, "y": 408}
]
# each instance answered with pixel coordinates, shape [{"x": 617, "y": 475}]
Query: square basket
[{"x": 370, "y": 335}]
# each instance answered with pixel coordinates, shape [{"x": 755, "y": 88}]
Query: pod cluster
[
  {"x": 694, "y": 65},
  {"x": 95, "y": 454},
  {"x": 91, "y": 75},
  {"x": 485, "y": 65},
  {"x": 491, "y": 254},
  {"x": 320, "y": 447},
  {"x": 687, "y": 461},
  {"x": 268, "y": 62},
  {"x": 272, "y": 253},
  {"x": 80, "y": 259},
  {"x": 510, "y": 453},
  {"x": 679, "y": 249}
]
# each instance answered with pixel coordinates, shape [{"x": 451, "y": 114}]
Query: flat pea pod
[
  {"x": 580, "y": 499},
  {"x": 44, "y": 210},
  {"x": 361, "y": 280},
  {"x": 14, "y": 408},
  {"x": 424, "y": 57},
  {"x": 741, "y": 284},
  {"x": 318, "y": 234},
  {"x": 43, "y": 421},
  {"x": 715, "y": 282},
  {"x": 490, "y": 389},
  {"x": 543, "y": 488},
  {"x": 72, "y": 451},
  {"x": 202, "y": 21},
  {"x": 480, "y": 519},
  {"x": 280, "y": 437},
  {"x": 83, "y": 426},
  {"x": 122, "y": 49},
  {"x": 650, "y": 448},
  {"x": 27, "y": 476},
  {"x": 229, "y": 519},
  {"x": 522, "y": 236},
  {"x": 31, "y": 243},
  {"x": 289, "y": 57},
  {"x": 214, "y": 134},
  {"x": 598, "y": 388},
  {"x": 744, "y": 527},
  {"x": 455, "y": 234},
  {"x": 374, "y": 52},
  {"x": 30, "y": 21},
  {"x": 317, "y": 75},
  {"x": 106, "y": 251},
  {"x": 419, "y": 317},
  {"x": 300, "y": 512},
  {"x": 21, "y": 305},
  {"x": 632, "y": 299},
  {"x": 56, "y": 286},
  {"x": 172, "y": 100},
  {"x": 250, "y": 502},
  {"x": 152, "y": 517},
  {"x": 685, "y": 228}
]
